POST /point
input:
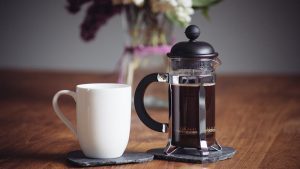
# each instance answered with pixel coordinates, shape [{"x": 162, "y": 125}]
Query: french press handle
[{"x": 139, "y": 101}]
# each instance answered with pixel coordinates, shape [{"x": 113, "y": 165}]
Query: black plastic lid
[{"x": 192, "y": 48}]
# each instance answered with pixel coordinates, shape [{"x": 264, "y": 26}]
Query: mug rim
[{"x": 102, "y": 86}]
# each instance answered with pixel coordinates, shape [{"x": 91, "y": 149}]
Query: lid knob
[{"x": 192, "y": 32}]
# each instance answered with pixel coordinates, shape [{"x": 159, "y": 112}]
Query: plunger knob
[{"x": 192, "y": 32}]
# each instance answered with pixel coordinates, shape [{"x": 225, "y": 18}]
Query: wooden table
[{"x": 258, "y": 115}]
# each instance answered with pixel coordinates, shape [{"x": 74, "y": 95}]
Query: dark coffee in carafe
[{"x": 184, "y": 109}]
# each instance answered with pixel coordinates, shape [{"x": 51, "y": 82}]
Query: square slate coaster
[
  {"x": 193, "y": 156},
  {"x": 79, "y": 159}
]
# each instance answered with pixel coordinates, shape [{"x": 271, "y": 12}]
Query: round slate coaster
[
  {"x": 79, "y": 159},
  {"x": 193, "y": 156}
]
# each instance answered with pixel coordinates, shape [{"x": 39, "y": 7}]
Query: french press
[{"x": 191, "y": 80}]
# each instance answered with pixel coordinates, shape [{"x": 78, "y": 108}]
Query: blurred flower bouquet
[
  {"x": 148, "y": 25},
  {"x": 177, "y": 12}
]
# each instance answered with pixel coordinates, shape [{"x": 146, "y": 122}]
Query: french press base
[{"x": 203, "y": 150}]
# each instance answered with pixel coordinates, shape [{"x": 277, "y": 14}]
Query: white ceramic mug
[{"x": 103, "y": 118}]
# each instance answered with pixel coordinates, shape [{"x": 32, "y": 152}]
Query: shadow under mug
[{"x": 103, "y": 114}]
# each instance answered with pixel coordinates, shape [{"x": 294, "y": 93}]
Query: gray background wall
[{"x": 252, "y": 36}]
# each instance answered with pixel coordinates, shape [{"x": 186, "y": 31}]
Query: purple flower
[
  {"x": 74, "y": 5},
  {"x": 97, "y": 15}
]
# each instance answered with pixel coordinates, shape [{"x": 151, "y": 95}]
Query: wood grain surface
[{"x": 259, "y": 115}]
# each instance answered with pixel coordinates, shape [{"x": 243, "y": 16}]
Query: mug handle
[
  {"x": 59, "y": 113},
  {"x": 139, "y": 101}
]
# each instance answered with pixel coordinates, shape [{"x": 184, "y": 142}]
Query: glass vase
[{"x": 148, "y": 39}]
